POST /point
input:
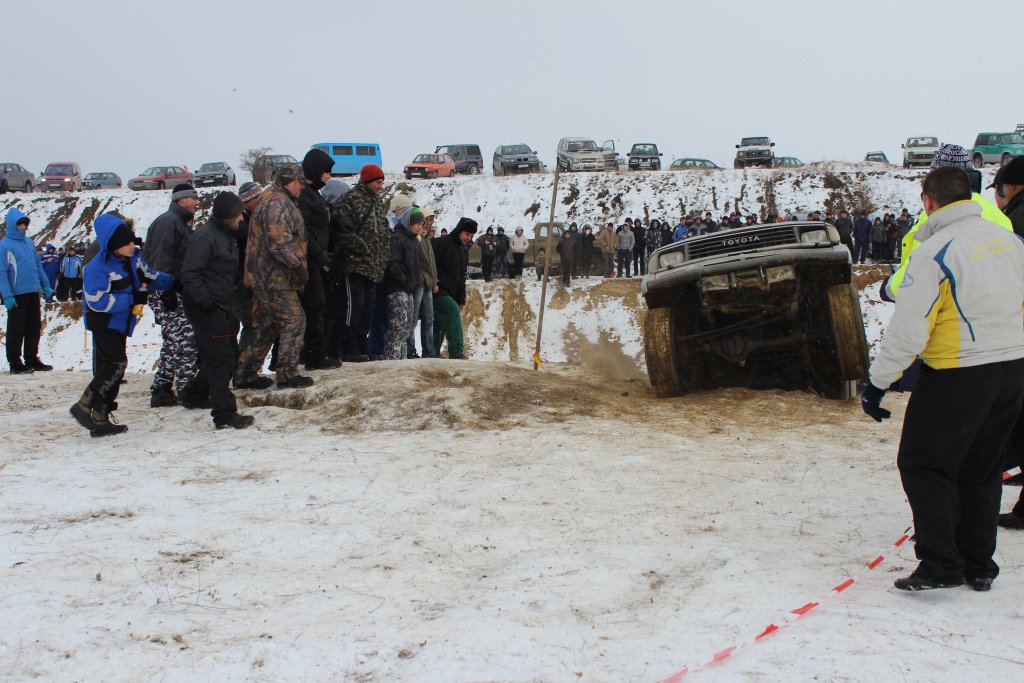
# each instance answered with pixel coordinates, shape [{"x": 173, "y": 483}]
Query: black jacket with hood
[
  {"x": 1015, "y": 212},
  {"x": 166, "y": 241},
  {"x": 451, "y": 262},
  {"x": 403, "y": 270},
  {"x": 210, "y": 269},
  {"x": 316, "y": 214}
]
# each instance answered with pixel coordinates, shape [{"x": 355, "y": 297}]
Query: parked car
[
  {"x": 100, "y": 180},
  {"x": 15, "y": 177},
  {"x": 690, "y": 164},
  {"x": 350, "y": 157},
  {"x": 515, "y": 159},
  {"x": 215, "y": 173},
  {"x": 996, "y": 148},
  {"x": 787, "y": 162},
  {"x": 876, "y": 157},
  {"x": 265, "y": 169},
  {"x": 467, "y": 158},
  {"x": 61, "y": 176},
  {"x": 919, "y": 150},
  {"x": 430, "y": 166},
  {"x": 644, "y": 155},
  {"x": 583, "y": 154},
  {"x": 756, "y": 151},
  {"x": 160, "y": 178},
  {"x": 766, "y": 307}
]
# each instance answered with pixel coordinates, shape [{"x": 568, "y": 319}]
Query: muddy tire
[
  {"x": 848, "y": 331},
  {"x": 661, "y": 352}
]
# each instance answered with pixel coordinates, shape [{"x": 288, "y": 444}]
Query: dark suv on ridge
[{"x": 468, "y": 158}]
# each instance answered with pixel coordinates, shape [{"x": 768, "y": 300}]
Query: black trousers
[
  {"x": 314, "y": 303},
  {"x": 69, "y": 288},
  {"x": 566, "y": 269},
  {"x": 353, "y": 296},
  {"x": 950, "y": 461},
  {"x": 487, "y": 265},
  {"x": 517, "y": 264},
  {"x": 110, "y": 360},
  {"x": 218, "y": 356},
  {"x": 23, "y": 322}
]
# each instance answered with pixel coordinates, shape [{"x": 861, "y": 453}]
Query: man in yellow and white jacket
[{"x": 961, "y": 309}]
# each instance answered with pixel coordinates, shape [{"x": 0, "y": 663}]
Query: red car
[
  {"x": 160, "y": 178},
  {"x": 61, "y": 176},
  {"x": 430, "y": 166}
]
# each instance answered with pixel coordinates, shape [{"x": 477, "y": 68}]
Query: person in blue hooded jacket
[
  {"x": 116, "y": 280},
  {"x": 22, "y": 279},
  {"x": 51, "y": 265}
]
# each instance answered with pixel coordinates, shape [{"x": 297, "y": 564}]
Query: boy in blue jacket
[
  {"x": 116, "y": 280},
  {"x": 21, "y": 281}
]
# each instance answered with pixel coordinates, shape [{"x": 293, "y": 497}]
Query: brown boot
[{"x": 105, "y": 423}]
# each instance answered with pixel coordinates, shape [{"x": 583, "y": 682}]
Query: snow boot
[
  {"x": 233, "y": 421},
  {"x": 917, "y": 582},
  {"x": 21, "y": 369},
  {"x": 1008, "y": 520},
  {"x": 981, "y": 584},
  {"x": 162, "y": 397},
  {"x": 295, "y": 382},
  {"x": 39, "y": 366},
  {"x": 324, "y": 363},
  {"x": 105, "y": 423},
  {"x": 82, "y": 411},
  {"x": 247, "y": 381}
]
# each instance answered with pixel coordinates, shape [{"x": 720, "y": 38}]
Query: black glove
[
  {"x": 870, "y": 400},
  {"x": 170, "y": 300},
  {"x": 139, "y": 297}
]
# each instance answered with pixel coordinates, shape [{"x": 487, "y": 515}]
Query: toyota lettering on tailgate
[{"x": 736, "y": 241}]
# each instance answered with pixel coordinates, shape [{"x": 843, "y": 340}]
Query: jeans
[{"x": 625, "y": 258}]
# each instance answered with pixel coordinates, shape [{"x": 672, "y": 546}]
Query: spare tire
[
  {"x": 662, "y": 353},
  {"x": 848, "y": 331}
]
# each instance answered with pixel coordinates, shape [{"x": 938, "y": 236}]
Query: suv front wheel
[{"x": 473, "y": 169}]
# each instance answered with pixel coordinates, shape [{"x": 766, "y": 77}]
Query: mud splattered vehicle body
[{"x": 772, "y": 306}]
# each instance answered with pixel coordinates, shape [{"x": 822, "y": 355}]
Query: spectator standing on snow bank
[
  {"x": 164, "y": 250},
  {"x": 608, "y": 241},
  {"x": 424, "y": 297},
  {"x": 241, "y": 302},
  {"x": 960, "y": 310},
  {"x": 275, "y": 270},
  {"x": 402, "y": 279},
  {"x": 845, "y": 227},
  {"x": 861, "y": 237},
  {"x": 117, "y": 280},
  {"x": 501, "y": 259},
  {"x": 587, "y": 255},
  {"x": 208, "y": 275},
  {"x": 22, "y": 280},
  {"x": 364, "y": 240},
  {"x": 316, "y": 214},
  {"x": 624, "y": 245},
  {"x": 639, "y": 248},
  {"x": 70, "y": 284},
  {"x": 519, "y": 245},
  {"x": 451, "y": 292},
  {"x": 488, "y": 244},
  {"x": 878, "y": 241},
  {"x": 51, "y": 266},
  {"x": 566, "y": 249},
  {"x": 540, "y": 261}
]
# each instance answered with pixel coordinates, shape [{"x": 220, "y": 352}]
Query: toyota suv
[
  {"x": 61, "y": 176},
  {"x": 918, "y": 151},
  {"x": 996, "y": 148},
  {"x": 766, "y": 307},
  {"x": 644, "y": 155},
  {"x": 515, "y": 159},
  {"x": 583, "y": 154},
  {"x": 467, "y": 158},
  {"x": 754, "y": 152}
]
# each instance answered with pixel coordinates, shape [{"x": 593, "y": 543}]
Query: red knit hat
[{"x": 370, "y": 173}]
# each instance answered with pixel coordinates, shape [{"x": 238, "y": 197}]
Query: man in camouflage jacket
[
  {"x": 364, "y": 241},
  {"x": 275, "y": 270}
]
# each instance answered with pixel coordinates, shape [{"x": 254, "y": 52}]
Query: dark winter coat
[
  {"x": 503, "y": 243},
  {"x": 275, "y": 255},
  {"x": 566, "y": 249},
  {"x": 363, "y": 232},
  {"x": 1014, "y": 210},
  {"x": 862, "y": 230},
  {"x": 639, "y": 236},
  {"x": 403, "y": 270},
  {"x": 167, "y": 239},
  {"x": 113, "y": 284},
  {"x": 488, "y": 245},
  {"x": 845, "y": 228},
  {"x": 315, "y": 212},
  {"x": 211, "y": 265},
  {"x": 451, "y": 266}
]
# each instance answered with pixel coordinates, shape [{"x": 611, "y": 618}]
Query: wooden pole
[{"x": 547, "y": 266}]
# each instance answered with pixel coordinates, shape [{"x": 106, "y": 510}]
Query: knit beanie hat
[
  {"x": 417, "y": 216},
  {"x": 122, "y": 235},
  {"x": 399, "y": 203},
  {"x": 465, "y": 225},
  {"x": 369, "y": 173},
  {"x": 183, "y": 191},
  {"x": 334, "y": 190},
  {"x": 952, "y": 155},
  {"x": 227, "y": 205},
  {"x": 249, "y": 191}
]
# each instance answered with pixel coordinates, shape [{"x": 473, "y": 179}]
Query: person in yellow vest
[
  {"x": 961, "y": 309},
  {"x": 957, "y": 157}
]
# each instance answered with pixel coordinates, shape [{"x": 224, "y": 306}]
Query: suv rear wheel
[
  {"x": 472, "y": 169},
  {"x": 978, "y": 161},
  {"x": 28, "y": 186}
]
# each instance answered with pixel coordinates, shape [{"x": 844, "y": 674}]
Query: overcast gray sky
[{"x": 124, "y": 85}]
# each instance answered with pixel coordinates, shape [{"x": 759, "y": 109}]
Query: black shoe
[
  {"x": 162, "y": 398},
  {"x": 1008, "y": 520},
  {"x": 457, "y": 358},
  {"x": 193, "y": 402},
  {"x": 105, "y": 424},
  {"x": 413, "y": 355},
  {"x": 234, "y": 421},
  {"x": 253, "y": 382},
  {"x": 21, "y": 369},
  {"x": 295, "y": 382},
  {"x": 374, "y": 357},
  {"x": 355, "y": 358},
  {"x": 82, "y": 411},
  {"x": 39, "y": 366},
  {"x": 916, "y": 582},
  {"x": 981, "y": 584},
  {"x": 324, "y": 363}
]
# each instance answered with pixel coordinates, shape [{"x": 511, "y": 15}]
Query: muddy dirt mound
[{"x": 869, "y": 275}]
